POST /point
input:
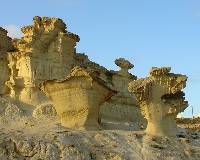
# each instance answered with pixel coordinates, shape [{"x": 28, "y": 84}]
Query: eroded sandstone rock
[
  {"x": 78, "y": 97},
  {"x": 45, "y": 110},
  {"x": 5, "y": 46},
  {"x": 9, "y": 110},
  {"x": 37, "y": 82},
  {"x": 161, "y": 98},
  {"x": 46, "y": 52},
  {"x": 122, "y": 107},
  {"x": 45, "y": 56}
]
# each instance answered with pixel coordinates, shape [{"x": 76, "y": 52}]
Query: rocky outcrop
[
  {"x": 45, "y": 52},
  {"x": 48, "y": 92},
  {"x": 5, "y": 46},
  {"x": 122, "y": 107},
  {"x": 51, "y": 142},
  {"x": 77, "y": 99},
  {"x": 160, "y": 98}
]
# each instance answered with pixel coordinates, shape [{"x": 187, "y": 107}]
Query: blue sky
[{"x": 147, "y": 32}]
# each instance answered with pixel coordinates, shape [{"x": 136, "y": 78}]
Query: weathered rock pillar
[{"x": 161, "y": 99}]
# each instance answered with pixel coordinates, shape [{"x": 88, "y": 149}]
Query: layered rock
[
  {"x": 77, "y": 99},
  {"x": 160, "y": 98},
  {"x": 44, "y": 81},
  {"x": 46, "y": 52},
  {"x": 47, "y": 142},
  {"x": 46, "y": 56},
  {"x": 5, "y": 46},
  {"x": 122, "y": 107}
]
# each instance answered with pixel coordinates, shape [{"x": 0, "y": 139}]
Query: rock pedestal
[
  {"x": 161, "y": 99},
  {"x": 77, "y": 99}
]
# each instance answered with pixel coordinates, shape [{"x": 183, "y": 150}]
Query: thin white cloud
[{"x": 13, "y": 31}]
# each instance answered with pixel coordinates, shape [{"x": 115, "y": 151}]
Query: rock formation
[
  {"x": 45, "y": 76},
  {"x": 77, "y": 99},
  {"x": 5, "y": 46},
  {"x": 161, "y": 99},
  {"x": 122, "y": 107},
  {"x": 48, "y": 90},
  {"x": 46, "y": 52}
]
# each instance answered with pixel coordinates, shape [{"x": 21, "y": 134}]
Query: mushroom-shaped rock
[
  {"x": 124, "y": 64},
  {"x": 77, "y": 99},
  {"x": 161, "y": 98}
]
